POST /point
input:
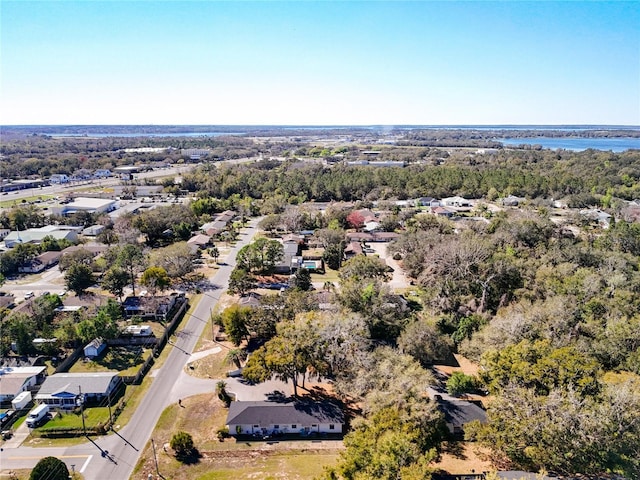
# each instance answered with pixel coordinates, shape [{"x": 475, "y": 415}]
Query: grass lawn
[
  {"x": 213, "y": 365},
  {"x": 93, "y": 417},
  {"x": 126, "y": 360},
  {"x": 201, "y": 416},
  {"x": 328, "y": 276}
]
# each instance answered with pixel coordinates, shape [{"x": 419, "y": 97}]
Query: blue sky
[{"x": 319, "y": 63}]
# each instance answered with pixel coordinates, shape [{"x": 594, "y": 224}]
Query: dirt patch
[
  {"x": 465, "y": 366},
  {"x": 463, "y": 457}
]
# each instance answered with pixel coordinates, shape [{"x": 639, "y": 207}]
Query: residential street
[{"x": 115, "y": 456}]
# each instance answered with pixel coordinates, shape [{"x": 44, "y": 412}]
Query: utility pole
[
  {"x": 109, "y": 405},
  {"x": 81, "y": 400},
  {"x": 155, "y": 458},
  {"x": 213, "y": 335}
]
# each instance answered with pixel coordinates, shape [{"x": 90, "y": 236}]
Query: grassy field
[
  {"x": 15, "y": 202},
  {"x": 201, "y": 416},
  {"x": 126, "y": 360}
]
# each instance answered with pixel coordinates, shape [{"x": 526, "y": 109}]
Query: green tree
[
  {"x": 241, "y": 282},
  {"x": 78, "y": 278},
  {"x": 115, "y": 280},
  {"x": 301, "y": 280},
  {"x": 235, "y": 357},
  {"x": 79, "y": 256},
  {"x": 234, "y": 319},
  {"x": 215, "y": 253},
  {"x": 132, "y": 260},
  {"x": 423, "y": 342},
  {"x": 540, "y": 366},
  {"x": 23, "y": 331},
  {"x": 176, "y": 259},
  {"x": 260, "y": 256},
  {"x": 182, "y": 443},
  {"x": 155, "y": 278},
  {"x": 50, "y": 468}
]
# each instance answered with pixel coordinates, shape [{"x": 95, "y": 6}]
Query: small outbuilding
[{"x": 94, "y": 348}]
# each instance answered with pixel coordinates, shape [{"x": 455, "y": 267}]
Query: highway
[{"x": 125, "y": 446}]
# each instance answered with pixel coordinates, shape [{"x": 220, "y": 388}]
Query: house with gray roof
[
  {"x": 14, "y": 380},
  {"x": 296, "y": 417},
  {"x": 63, "y": 390}
]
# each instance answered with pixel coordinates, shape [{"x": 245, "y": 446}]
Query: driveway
[{"x": 398, "y": 279}]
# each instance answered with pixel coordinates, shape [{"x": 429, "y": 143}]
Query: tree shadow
[
  {"x": 191, "y": 457},
  {"x": 454, "y": 448}
]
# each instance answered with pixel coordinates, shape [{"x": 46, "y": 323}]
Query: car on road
[{"x": 28, "y": 295}]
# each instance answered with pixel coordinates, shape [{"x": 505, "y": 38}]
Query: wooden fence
[{"x": 160, "y": 344}]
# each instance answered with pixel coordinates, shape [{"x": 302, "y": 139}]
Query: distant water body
[
  {"x": 576, "y": 144},
  {"x": 140, "y": 134}
]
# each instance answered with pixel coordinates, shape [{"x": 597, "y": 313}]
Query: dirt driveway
[{"x": 399, "y": 280}]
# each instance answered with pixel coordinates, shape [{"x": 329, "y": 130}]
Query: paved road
[{"x": 124, "y": 448}]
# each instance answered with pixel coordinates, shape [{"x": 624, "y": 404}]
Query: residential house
[
  {"x": 458, "y": 202},
  {"x": 102, "y": 173},
  {"x": 385, "y": 236},
  {"x": 66, "y": 390},
  {"x": 442, "y": 212},
  {"x": 352, "y": 249},
  {"x": 602, "y": 218},
  {"x": 359, "y": 237},
  {"x": 218, "y": 225},
  {"x": 371, "y": 226},
  {"x": 459, "y": 412},
  {"x": 512, "y": 201},
  {"x": 199, "y": 242},
  {"x": 95, "y": 250},
  {"x": 94, "y": 348},
  {"x": 269, "y": 418},
  {"x": 157, "y": 307},
  {"x": 41, "y": 262},
  {"x": 291, "y": 248},
  {"x": 93, "y": 230},
  {"x": 59, "y": 178},
  {"x": 14, "y": 380}
]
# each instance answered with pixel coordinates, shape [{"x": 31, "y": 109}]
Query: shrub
[{"x": 460, "y": 383}]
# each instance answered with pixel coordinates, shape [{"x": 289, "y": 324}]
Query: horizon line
[{"x": 248, "y": 125}]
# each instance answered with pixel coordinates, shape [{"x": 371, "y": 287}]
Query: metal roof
[{"x": 89, "y": 383}]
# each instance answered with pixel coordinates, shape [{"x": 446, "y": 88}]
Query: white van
[
  {"x": 37, "y": 415},
  {"x": 28, "y": 295}
]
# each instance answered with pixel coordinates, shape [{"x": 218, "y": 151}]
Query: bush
[
  {"x": 222, "y": 433},
  {"x": 182, "y": 444},
  {"x": 460, "y": 383},
  {"x": 50, "y": 468}
]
